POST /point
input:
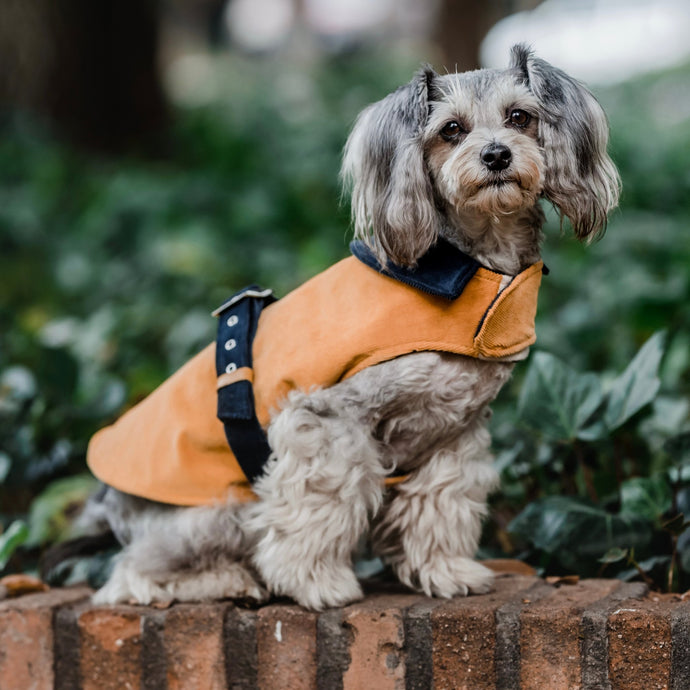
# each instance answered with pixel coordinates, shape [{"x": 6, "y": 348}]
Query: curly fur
[{"x": 423, "y": 413}]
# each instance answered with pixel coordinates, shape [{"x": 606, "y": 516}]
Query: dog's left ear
[
  {"x": 580, "y": 180},
  {"x": 392, "y": 197}
]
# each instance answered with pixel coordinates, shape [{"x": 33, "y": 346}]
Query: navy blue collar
[{"x": 443, "y": 271}]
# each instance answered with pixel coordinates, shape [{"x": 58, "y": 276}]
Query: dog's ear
[
  {"x": 580, "y": 180},
  {"x": 392, "y": 197}
]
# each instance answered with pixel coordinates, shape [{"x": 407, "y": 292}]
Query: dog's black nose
[{"x": 496, "y": 156}]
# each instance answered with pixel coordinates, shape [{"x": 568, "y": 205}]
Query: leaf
[
  {"x": 614, "y": 555},
  {"x": 557, "y": 400},
  {"x": 594, "y": 432},
  {"x": 558, "y": 580},
  {"x": 637, "y": 385},
  {"x": 574, "y": 529},
  {"x": 648, "y": 497},
  {"x": 14, "y": 536},
  {"x": 5, "y": 465},
  {"x": 17, "y": 585},
  {"x": 53, "y": 509},
  {"x": 646, "y": 566},
  {"x": 509, "y": 565}
]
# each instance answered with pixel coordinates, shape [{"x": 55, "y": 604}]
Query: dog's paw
[
  {"x": 231, "y": 581},
  {"x": 312, "y": 585},
  {"x": 127, "y": 586},
  {"x": 447, "y": 578},
  {"x": 227, "y": 581},
  {"x": 330, "y": 589}
]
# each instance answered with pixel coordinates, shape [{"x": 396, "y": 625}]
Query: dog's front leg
[
  {"x": 320, "y": 488},
  {"x": 430, "y": 529}
]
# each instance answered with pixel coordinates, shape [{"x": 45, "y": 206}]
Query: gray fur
[
  {"x": 581, "y": 181},
  {"x": 384, "y": 163},
  {"x": 423, "y": 413}
]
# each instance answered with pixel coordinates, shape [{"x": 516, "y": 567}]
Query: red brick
[
  {"x": 464, "y": 636},
  {"x": 111, "y": 648},
  {"x": 639, "y": 634},
  {"x": 52, "y": 640},
  {"x": 378, "y": 638},
  {"x": 286, "y": 648},
  {"x": 550, "y": 634},
  {"x": 193, "y": 640},
  {"x": 26, "y": 638}
]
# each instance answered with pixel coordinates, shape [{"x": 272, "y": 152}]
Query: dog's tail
[
  {"x": 92, "y": 535},
  {"x": 79, "y": 547}
]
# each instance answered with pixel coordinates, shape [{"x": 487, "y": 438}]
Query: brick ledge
[{"x": 524, "y": 634}]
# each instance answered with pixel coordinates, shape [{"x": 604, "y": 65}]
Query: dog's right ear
[{"x": 392, "y": 197}]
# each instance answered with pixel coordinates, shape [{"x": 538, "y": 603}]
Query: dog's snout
[{"x": 496, "y": 156}]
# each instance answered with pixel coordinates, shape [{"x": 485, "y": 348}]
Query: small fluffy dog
[{"x": 454, "y": 164}]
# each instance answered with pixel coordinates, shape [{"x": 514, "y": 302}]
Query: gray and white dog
[{"x": 463, "y": 157}]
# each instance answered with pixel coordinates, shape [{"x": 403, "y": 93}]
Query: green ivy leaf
[
  {"x": 53, "y": 509},
  {"x": 15, "y": 535},
  {"x": 614, "y": 555},
  {"x": 557, "y": 400},
  {"x": 646, "y": 566},
  {"x": 648, "y": 497},
  {"x": 574, "y": 528},
  {"x": 637, "y": 385}
]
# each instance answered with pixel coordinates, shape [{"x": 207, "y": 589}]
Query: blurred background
[{"x": 156, "y": 155}]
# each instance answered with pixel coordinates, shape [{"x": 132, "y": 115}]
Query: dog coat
[{"x": 200, "y": 436}]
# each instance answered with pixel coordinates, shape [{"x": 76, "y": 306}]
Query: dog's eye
[
  {"x": 451, "y": 130},
  {"x": 520, "y": 118}
]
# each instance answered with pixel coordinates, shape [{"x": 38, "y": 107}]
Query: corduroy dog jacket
[{"x": 175, "y": 446}]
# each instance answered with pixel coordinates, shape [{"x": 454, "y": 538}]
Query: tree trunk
[
  {"x": 462, "y": 24},
  {"x": 88, "y": 66}
]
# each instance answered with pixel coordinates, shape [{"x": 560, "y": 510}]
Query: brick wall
[{"x": 595, "y": 634}]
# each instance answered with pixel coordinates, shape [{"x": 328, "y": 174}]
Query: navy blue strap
[
  {"x": 443, "y": 271},
  {"x": 237, "y": 323}
]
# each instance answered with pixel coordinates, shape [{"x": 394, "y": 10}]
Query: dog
[{"x": 446, "y": 176}]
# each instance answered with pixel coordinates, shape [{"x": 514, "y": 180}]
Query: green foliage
[
  {"x": 583, "y": 423},
  {"x": 576, "y": 531},
  {"x": 556, "y": 400},
  {"x": 109, "y": 269},
  {"x": 14, "y": 536},
  {"x": 54, "y": 508}
]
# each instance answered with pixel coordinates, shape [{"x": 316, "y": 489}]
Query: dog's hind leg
[
  {"x": 430, "y": 529},
  {"x": 188, "y": 554},
  {"x": 321, "y": 486}
]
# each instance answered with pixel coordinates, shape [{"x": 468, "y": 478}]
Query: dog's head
[{"x": 446, "y": 150}]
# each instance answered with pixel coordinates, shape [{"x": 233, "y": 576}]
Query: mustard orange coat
[{"x": 172, "y": 448}]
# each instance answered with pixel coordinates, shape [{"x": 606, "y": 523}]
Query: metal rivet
[
  {"x": 230, "y": 344},
  {"x": 230, "y": 368},
  {"x": 232, "y": 320}
]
